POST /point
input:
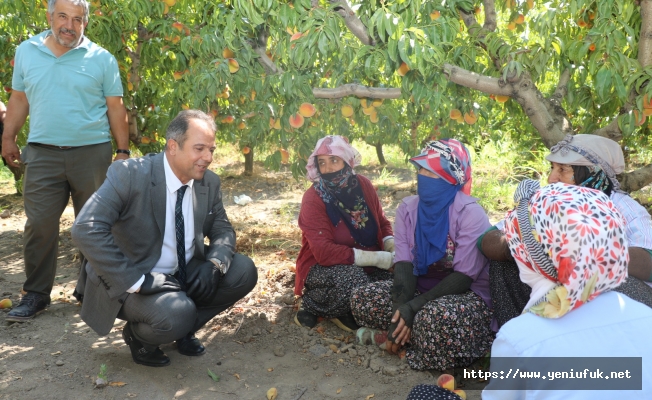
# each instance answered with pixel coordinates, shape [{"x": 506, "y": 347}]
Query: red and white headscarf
[
  {"x": 569, "y": 243},
  {"x": 332, "y": 145}
]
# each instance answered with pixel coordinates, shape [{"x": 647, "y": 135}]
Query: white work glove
[
  {"x": 388, "y": 244},
  {"x": 378, "y": 259}
]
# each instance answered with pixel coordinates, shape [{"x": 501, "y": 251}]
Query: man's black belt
[{"x": 50, "y": 146}]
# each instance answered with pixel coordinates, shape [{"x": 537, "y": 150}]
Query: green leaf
[
  {"x": 603, "y": 83},
  {"x": 214, "y": 377}
]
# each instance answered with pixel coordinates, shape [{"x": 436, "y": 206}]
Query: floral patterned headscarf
[
  {"x": 341, "y": 190},
  {"x": 569, "y": 243},
  {"x": 332, "y": 145}
]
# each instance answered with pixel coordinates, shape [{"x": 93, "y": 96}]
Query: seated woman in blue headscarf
[{"x": 439, "y": 301}]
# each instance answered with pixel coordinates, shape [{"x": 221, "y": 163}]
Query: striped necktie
[{"x": 181, "y": 235}]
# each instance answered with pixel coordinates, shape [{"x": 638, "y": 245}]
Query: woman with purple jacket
[{"x": 439, "y": 300}]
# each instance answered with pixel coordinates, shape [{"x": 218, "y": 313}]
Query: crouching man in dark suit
[{"x": 142, "y": 234}]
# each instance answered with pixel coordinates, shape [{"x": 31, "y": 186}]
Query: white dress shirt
[{"x": 168, "y": 263}]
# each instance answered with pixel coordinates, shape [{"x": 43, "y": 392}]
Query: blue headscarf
[
  {"x": 435, "y": 197},
  {"x": 450, "y": 160}
]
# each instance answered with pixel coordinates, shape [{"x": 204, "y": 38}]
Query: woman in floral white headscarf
[
  {"x": 343, "y": 230},
  {"x": 588, "y": 161},
  {"x": 570, "y": 245}
]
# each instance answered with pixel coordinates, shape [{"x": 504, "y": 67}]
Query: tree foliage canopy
[{"x": 405, "y": 70}]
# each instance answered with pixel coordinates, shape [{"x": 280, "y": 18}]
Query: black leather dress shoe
[
  {"x": 140, "y": 355},
  {"x": 30, "y": 305},
  {"x": 189, "y": 345}
]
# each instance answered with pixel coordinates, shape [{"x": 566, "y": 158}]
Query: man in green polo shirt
[{"x": 71, "y": 89}]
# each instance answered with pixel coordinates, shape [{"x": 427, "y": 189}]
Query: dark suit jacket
[{"x": 120, "y": 232}]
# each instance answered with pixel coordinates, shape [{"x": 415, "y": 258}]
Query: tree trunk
[
  {"x": 379, "y": 153},
  {"x": 413, "y": 134},
  {"x": 249, "y": 163}
]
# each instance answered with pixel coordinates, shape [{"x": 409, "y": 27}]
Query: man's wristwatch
[{"x": 123, "y": 151}]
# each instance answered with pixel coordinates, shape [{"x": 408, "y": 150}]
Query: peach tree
[{"x": 277, "y": 75}]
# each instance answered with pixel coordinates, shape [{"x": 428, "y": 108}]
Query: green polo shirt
[{"x": 67, "y": 95}]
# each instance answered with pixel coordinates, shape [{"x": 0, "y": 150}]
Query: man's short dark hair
[{"x": 179, "y": 125}]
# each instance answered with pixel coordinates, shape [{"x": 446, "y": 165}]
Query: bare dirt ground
[{"x": 250, "y": 348}]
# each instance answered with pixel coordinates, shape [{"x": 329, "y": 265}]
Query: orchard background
[{"x": 278, "y": 75}]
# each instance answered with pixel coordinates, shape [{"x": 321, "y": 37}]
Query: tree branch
[
  {"x": 479, "y": 32},
  {"x": 562, "y": 87},
  {"x": 490, "y": 17},
  {"x": 522, "y": 90},
  {"x": 645, "y": 40},
  {"x": 354, "y": 89},
  {"x": 611, "y": 131},
  {"x": 352, "y": 21},
  {"x": 260, "y": 48},
  {"x": 636, "y": 180},
  {"x": 267, "y": 62},
  {"x": 472, "y": 80}
]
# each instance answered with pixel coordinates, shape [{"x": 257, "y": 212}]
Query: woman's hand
[{"x": 401, "y": 334}]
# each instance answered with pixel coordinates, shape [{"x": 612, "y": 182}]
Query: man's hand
[
  {"x": 10, "y": 152},
  {"x": 202, "y": 281},
  {"x": 401, "y": 334},
  {"x": 156, "y": 282}
]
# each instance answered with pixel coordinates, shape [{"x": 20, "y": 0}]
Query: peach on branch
[
  {"x": 242, "y": 125},
  {"x": 285, "y": 156},
  {"x": 145, "y": 140},
  {"x": 233, "y": 65},
  {"x": 307, "y": 110},
  {"x": 519, "y": 19},
  {"x": 434, "y": 15},
  {"x": 373, "y": 118},
  {"x": 640, "y": 119},
  {"x": 347, "y": 110},
  {"x": 455, "y": 113},
  {"x": 364, "y": 103},
  {"x": 501, "y": 98},
  {"x": 470, "y": 117},
  {"x": 368, "y": 111},
  {"x": 170, "y": 3},
  {"x": 246, "y": 150},
  {"x": 403, "y": 69},
  {"x": 227, "y": 53},
  {"x": 296, "y": 120},
  {"x": 377, "y": 102},
  {"x": 228, "y": 119}
]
